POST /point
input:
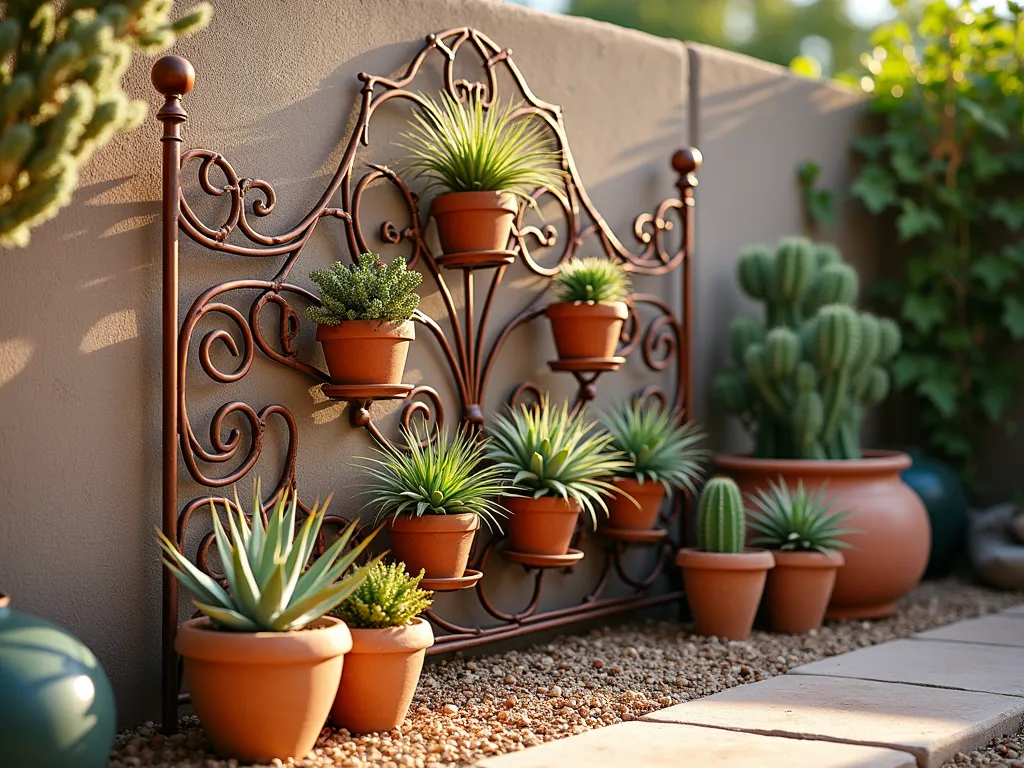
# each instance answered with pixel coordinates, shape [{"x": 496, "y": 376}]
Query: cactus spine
[
  {"x": 801, "y": 380},
  {"x": 720, "y": 518}
]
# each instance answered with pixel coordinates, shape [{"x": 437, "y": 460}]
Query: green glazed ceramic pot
[
  {"x": 56, "y": 703},
  {"x": 945, "y": 498}
]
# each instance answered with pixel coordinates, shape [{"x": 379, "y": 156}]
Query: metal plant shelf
[{"x": 662, "y": 343}]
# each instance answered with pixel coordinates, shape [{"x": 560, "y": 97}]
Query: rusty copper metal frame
[{"x": 663, "y": 343}]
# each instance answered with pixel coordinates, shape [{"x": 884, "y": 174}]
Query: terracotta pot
[
  {"x": 366, "y": 351},
  {"x": 624, "y": 514},
  {"x": 724, "y": 589},
  {"x": 890, "y": 550},
  {"x": 438, "y": 544},
  {"x": 586, "y": 330},
  {"x": 799, "y": 588},
  {"x": 380, "y": 677},
  {"x": 541, "y": 526},
  {"x": 474, "y": 221},
  {"x": 263, "y": 695}
]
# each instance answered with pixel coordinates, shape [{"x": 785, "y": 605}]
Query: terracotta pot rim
[
  {"x": 197, "y": 639},
  {"x": 634, "y": 487},
  {"x": 874, "y": 462},
  {"x": 449, "y": 202},
  {"x": 612, "y": 309},
  {"x": 548, "y": 504},
  {"x": 462, "y": 522},
  {"x": 367, "y": 329},
  {"x": 750, "y": 559},
  {"x": 414, "y": 636},
  {"x": 831, "y": 559}
]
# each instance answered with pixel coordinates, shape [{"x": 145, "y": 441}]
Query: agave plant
[
  {"x": 659, "y": 450},
  {"x": 592, "y": 279},
  {"x": 441, "y": 475},
  {"x": 270, "y": 588},
  {"x": 556, "y": 452},
  {"x": 467, "y": 147},
  {"x": 797, "y": 521},
  {"x": 389, "y": 597}
]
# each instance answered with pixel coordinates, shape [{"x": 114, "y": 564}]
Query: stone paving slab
[
  {"x": 930, "y": 724},
  {"x": 989, "y": 630},
  {"x": 964, "y": 666},
  {"x": 665, "y": 745}
]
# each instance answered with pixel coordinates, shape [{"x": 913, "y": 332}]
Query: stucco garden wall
[{"x": 275, "y": 92}]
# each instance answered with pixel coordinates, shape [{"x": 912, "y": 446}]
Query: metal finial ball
[
  {"x": 173, "y": 75},
  {"x": 687, "y": 160}
]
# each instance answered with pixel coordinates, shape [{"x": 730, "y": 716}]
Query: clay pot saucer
[
  {"x": 467, "y": 580},
  {"x": 587, "y": 364},
  {"x": 531, "y": 560},
  {"x": 632, "y": 535},
  {"x": 364, "y": 392},
  {"x": 477, "y": 259}
]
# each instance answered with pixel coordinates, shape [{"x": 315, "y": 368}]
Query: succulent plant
[
  {"x": 388, "y": 597},
  {"x": 270, "y": 587},
  {"x": 442, "y": 475},
  {"x": 720, "y": 519},
  {"x": 659, "y": 450},
  {"x": 555, "y": 451},
  {"x": 592, "y": 279},
  {"x": 796, "y": 521},
  {"x": 801, "y": 380},
  {"x": 365, "y": 290}
]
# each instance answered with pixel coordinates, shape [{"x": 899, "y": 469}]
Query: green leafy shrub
[
  {"x": 388, "y": 597},
  {"x": 270, "y": 587},
  {"x": 593, "y": 279},
  {"x": 801, "y": 380},
  {"x": 796, "y": 521},
  {"x": 61, "y": 97},
  {"x": 365, "y": 290},
  {"x": 720, "y": 522},
  {"x": 659, "y": 450},
  {"x": 946, "y": 168}
]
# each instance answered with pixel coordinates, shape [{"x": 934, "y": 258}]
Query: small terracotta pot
[
  {"x": 437, "y": 544},
  {"x": 380, "y": 677},
  {"x": 541, "y": 526},
  {"x": 624, "y": 514},
  {"x": 799, "y": 588},
  {"x": 263, "y": 695},
  {"x": 893, "y": 541},
  {"x": 586, "y": 330},
  {"x": 474, "y": 221},
  {"x": 724, "y": 589},
  {"x": 366, "y": 351}
]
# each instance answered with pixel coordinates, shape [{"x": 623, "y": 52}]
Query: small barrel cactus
[
  {"x": 801, "y": 380},
  {"x": 720, "y": 522}
]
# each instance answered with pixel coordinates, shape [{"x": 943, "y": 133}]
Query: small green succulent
[
  {"x": 659, "y": 450},
  {"x": 365, "y": 290},
  {"x": 270, "y": 587},
  {"x": 593, "y": 279},
  {"x": 556, "y": 452},
  {"x": 388, "y": 597},
  {"x": 796, "y": 521}
]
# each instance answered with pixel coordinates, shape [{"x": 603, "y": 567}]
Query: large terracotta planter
[
  {"x": 366, "y": 351},
  {"x": 541, "y": 526},
  {"x": 380, "y": 677},
  {"x": 799, "y": 588},
  {"x": 724, "y": 589},
  {"x": 474, "y": 221},
  {"x": 263, "y": 695},
  {"x": 583, "y": 330},
  {"x": 624, "y": 514},
  {"x": 890, "y": 550},
  {"x": 437, "y": 544}
]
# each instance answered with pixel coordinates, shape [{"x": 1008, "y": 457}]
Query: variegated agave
[
  {"x": 270, "y": 588},
  {"x": 796, "y": 521}
]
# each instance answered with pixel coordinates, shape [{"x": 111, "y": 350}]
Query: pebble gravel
[
  {"x": 474, "y": 707},
  {"x": 1002, "y": 751}
]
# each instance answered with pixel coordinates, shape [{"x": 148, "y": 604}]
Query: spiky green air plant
[
  {"x": 801, "y": 380},
  {"x": 388, "y": 597},
  {"x": 365, "y": 290},
  {"x": 592, "y": 279},
  {"x": 659, "y": 450},
  {"x": 61, "y": 65},
  {"x": 270, "y": 588},
  {"x": 797, "y": 521},
  {"x": 720, "y": 517},
  {"x": 464, "y": 147},
  {"x": 443, "y": 475},
  {"x": 556, "y": 452}
]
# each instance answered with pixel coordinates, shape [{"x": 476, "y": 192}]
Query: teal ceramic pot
[
  {"x": 56, "y": 703},
  {"x": 945, "y": 498}
]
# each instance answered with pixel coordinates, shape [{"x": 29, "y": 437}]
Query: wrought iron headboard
[{"x": 662, "y": 344}]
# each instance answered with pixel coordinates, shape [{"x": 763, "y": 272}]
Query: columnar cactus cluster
[
  {"x": 720, "y": 519},
  {"x": 802, "y": 379},
  {"x": 61, "y": 65}
]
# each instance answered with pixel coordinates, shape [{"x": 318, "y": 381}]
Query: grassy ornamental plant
[
  {"x": 796, "y": 521},
  {"x": 592, "y": 280},
  {"x": 659, "y": 450},
  {"x": 388, "y": 597},
  {"x": 720, "y": 520},
  {"x": 365, "y": 290}
]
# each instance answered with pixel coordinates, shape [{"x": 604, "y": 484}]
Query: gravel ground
[
  {"x": 470, "y": 708},
  {"x": 1005, "y": 750}
]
